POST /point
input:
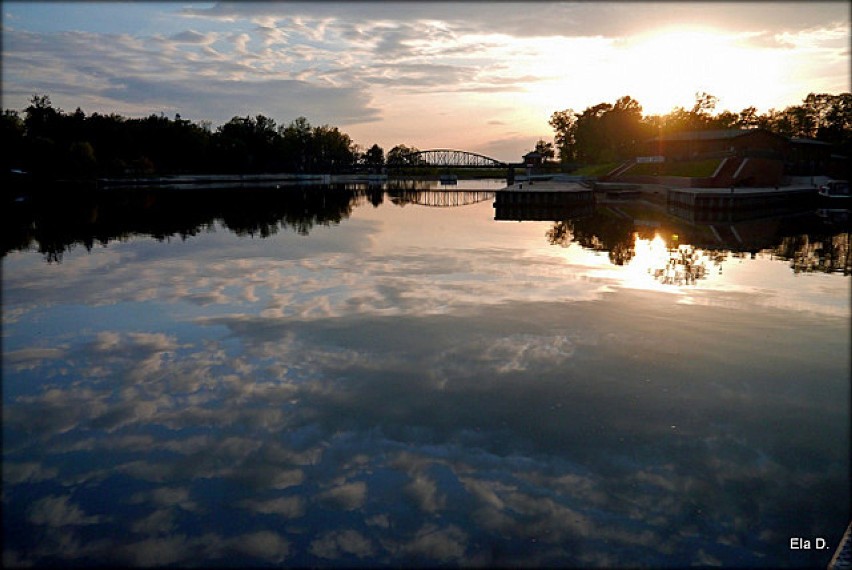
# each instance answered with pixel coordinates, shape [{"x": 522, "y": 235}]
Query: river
[{"x": 389, "y": 377}]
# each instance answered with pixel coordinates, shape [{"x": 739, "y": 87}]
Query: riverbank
[{"x": 236, "y": 180}]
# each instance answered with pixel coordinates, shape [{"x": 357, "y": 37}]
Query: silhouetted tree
[
  {"x": 254, "y": 140},
  {"x": 606, "y": 133},
  {"x": 331, "y": 150},
  {"x": 748, "y": 118},
  {"x": 296, "y": 139},
  {"x": 545, "y": 149},
  {"x": 82, "y": 161},
  {"x": 41, "y": 117},
  {"x": 11, "y": 140},
  {"x": 624, "y": 127},
  {"x": 400, "y": 156},
  {"x": 564, "y": 123},
  {"x": 374, "y": 158}
]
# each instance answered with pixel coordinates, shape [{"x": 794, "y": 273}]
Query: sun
[
  {"x": 668, "y": 67},
  {"x": 661, "y": 69}
]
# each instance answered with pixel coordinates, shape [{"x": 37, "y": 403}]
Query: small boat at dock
[{"x": 835, "y": 193}]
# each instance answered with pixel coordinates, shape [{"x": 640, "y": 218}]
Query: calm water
[{"x": 331, "y": 379}]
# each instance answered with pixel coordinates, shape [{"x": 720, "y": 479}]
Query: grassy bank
[
  {"x": 692, "y": 168},
  {"x": 596, "y": 169}
]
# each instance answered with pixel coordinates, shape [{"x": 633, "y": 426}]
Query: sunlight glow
[
  {"x": 667, "y": 68},
  {"x": 656, "y": 266},
  {"x": 649, "y": 256}
]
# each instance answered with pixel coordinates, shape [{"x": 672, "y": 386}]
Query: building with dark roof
[
  {"x": 533, "y": 159},
  {"x": 808, "y": 157},
  {"x": 692, "y": 145}
]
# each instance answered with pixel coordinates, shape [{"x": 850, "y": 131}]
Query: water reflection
[
  {"x": 431, "y": 198},
  {"x": 807, "y": 241},
  {"x": 821, "y": 253},
  {"x": 329, "y": 441},
  {"x": 681, "y": 265},
  {"x": 53, "y": 224},
  {"x": 417, "y": 386}
]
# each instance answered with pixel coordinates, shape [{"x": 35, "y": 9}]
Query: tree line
[
  {"x": 50, "y": 143},
  {"x": 613, "y": 132}
]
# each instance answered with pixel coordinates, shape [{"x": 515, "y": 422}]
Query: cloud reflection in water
[{"x": 481, "y": 407}]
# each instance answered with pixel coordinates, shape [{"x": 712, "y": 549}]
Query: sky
[{"x": 478, "y": 76}]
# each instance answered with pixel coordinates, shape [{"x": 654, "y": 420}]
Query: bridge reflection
[
  {"x": 440, "y": 199},
  {"x": 53, "y": 223}
]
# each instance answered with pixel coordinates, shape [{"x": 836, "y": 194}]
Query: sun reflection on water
[{"x": 654, "y": 264}]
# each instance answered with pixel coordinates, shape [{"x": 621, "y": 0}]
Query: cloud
[
  {"x": 166, "y": 548},
  {"x": 435, "y": 543},
  {"x": 161, "y": 551},
  {"x": 160, "y": 522},
  {"x": 265, "y": 545},
  {"x": 58, "y": 512},
  {"x": 348, "y": 497},
  {"x": 526, "y": 19},
  {"x": 28, "y": 472},
  {"x": 143, "y": 76},
  {"x": 14, "y": 559},
  {"x": 284, "y": 99},
  {"x": 288, "y": 507},
  {"x": 166, "y": 497},
  {"x": 337, "y": 544},
  {"x": 54, "y": 410},
  {"x": 380, "y": 68},
  {"x": 31, "y": 358},
  {"x": 424, "y": 491},
  {"x": 486, "y": 492},
  {"x": 519, "y": 352},
  {"x": 192, "y": 37}
]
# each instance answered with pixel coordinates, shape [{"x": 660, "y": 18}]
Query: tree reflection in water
[
  {"x": 681, "y": 265},
  {"x": 807, "y": 243},
  {"x": 807, "y": 254},
  {"x": 53, "y": 223}
]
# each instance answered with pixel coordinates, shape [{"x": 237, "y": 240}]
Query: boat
[{"x": 835, "y": 193}]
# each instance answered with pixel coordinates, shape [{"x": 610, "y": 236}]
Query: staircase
[
  {"x": 620, "y": 169},
  {"x": 725, "y": 174}
]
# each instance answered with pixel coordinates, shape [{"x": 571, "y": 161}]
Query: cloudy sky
[{"x": 478, "y": 76}]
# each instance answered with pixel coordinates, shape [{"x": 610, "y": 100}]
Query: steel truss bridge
[
  {"x": 448, "y": 158},
  {"x": 441, "y": 198}
]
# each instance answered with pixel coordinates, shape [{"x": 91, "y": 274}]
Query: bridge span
[{"x": 448, "y": 158}]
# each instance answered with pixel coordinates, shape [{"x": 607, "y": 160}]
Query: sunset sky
[{"x": 479, "y": 76}]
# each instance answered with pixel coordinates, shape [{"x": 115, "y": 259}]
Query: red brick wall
[
  {"x": 752, "y": 141},
  {"x": 761, "y": 172}
]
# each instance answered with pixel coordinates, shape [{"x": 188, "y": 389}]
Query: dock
[
  {"x": 543, "y": 201},
  {"x": 714, "y": 205},
  {"x": 740, "y": 198}
]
